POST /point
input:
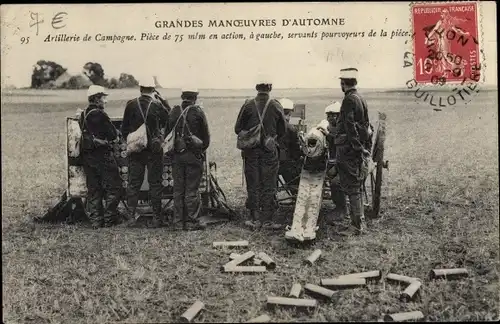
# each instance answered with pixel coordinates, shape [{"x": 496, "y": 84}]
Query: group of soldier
[{"x": 276, "y": 151}]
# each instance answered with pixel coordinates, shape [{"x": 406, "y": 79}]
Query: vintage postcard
[{"x": 250, "y": 162}]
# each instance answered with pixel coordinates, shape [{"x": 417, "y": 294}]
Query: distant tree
[
  {"x": 127, "y": 81},
  {"x": 95, "y": 73},
  {"x": 44, "y": 72}
]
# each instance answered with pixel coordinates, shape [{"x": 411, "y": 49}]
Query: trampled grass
[{"x": 439, "y": 209}]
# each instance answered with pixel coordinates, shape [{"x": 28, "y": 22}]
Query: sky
[{"x": 223, "y": 63}]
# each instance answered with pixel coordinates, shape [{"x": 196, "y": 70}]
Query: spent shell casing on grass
[
  {"x": 400, "y": 278},
  {"x": 285, "y": 301},
  {"x": 257, "y": 262},
  {"x": 270, "y": 264},
  {"x": 260, "y": 319},
  {"x": 400, "y": 317},
  {"x": 313, "y": 257},
  {"x": 343, "y": 282},
  {"x": 233, "y": 256},
  {"x": 410, "y": 291},
  {"x": 319, "y": 290},
  {"x": 192, "y": 311},
  {"x": 248, "y": 269},
  {"x": 368, "y": 275},
  {"x": 240, "y": 259},
  {"x": 449, "y": 273},
  {"x": 231, "y": 244},
  {"x": 295, "y": 291}
]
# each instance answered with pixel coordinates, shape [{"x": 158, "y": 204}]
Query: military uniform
[
  {"x": 351, "y": 141},
  {"x": 290, "y": 163},
  {"x": 187, "y": 168},
  {"x": 152, "y": 155},
  {"x": 100, "y": 167},
  {"x": 261, "y": 165}
]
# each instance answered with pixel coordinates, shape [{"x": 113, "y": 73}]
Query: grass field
[{"x": 439, "y": 209}]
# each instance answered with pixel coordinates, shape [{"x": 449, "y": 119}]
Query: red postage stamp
[{"x": 446, "y": 42}]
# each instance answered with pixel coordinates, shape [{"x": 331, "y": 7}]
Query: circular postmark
[{"x": 445, "y": 53}]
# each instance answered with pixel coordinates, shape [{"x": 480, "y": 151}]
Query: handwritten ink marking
[
  {"x": 35, "y": 17},
  {"x": 58, "y": 19}
]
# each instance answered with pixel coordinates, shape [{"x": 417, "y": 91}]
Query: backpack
[
  {"x": 169, "y": 142},
  {"x": 84, "y": 137},
  {"x": 137, "y": 141},
  {"x": 251, "y": 138}
]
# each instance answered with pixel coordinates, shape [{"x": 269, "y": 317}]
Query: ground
[{"x": 439, "y": 209}]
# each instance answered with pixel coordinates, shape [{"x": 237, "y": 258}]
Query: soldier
[
  {"x": 192, "y": 138},
  {"x": 353, "y": 146},
  {"x": 261, "y": 162},
  {"x": 151, "y": 109},
  {"x": 332, "y": 113},
  {"x": 99, "y": 164},
  {"x": 290, "y": 163}
]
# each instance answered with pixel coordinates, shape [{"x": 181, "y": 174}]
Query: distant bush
[{"x": 46, "y": 73}]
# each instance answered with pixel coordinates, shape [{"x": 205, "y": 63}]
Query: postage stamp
[{"x": 446, "y": 43}]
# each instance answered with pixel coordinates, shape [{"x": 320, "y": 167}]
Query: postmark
[{"x": 445, "y": 56}]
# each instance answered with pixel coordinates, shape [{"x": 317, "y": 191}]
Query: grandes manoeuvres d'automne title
[{"x": 285, "y": 22}]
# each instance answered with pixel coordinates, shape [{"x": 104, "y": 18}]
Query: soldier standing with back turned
[
  {"x": 151, "y": 109},
  {"x": 353, "y": 146},
  {"x": 192, "y": 138},
  {"x": 262, "y": 161}
]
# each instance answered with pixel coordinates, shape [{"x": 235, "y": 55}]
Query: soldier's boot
[
  {"x": 96, "y": 221},
  {"x": 132, "y": 217},
  {"x": 357, "y": 213},
  {"x": 340, "y": 210},
  {"x": 269, "y": 220},
  {"x": 254, "y": 221}
]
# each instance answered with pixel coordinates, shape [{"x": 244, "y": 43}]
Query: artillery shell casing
[
  {"x": 123, "y": 146},
  {"x": 260, "y": 319},
  {"x": 124, "y": 169},
  {"x": 165, "y": 176},
  {"x": 400, "y": 317},
  {"x": 270, "y": 264},
  {"x": 123, "y": 154},
  {"x": 410, "y": 291},
  {"x": 285, "y": 301},
  {"x": 313, "y": 257},
  {"x": 192, "y": 311},
  {"x": 400, "y": 278},
  {"x": 257, "y": 262},
  {"x": 374, "y": 275},
  {"x": 231, "y": 244},
  {"x": 240, "y": 259},
  {"x": 245, "y": 269},
  {"x": 343, "y": 282},
  {"x": 124, "y": 176},
  {"x": 124, "y": 184},
  {"x": 319, "y": 290},
  {"x": 449, "y": 273},
  {"x": 295, "y": 291}
]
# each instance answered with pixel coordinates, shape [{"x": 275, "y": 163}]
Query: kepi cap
[
  {"x": 349, "y": 73},
  {"x": 148, "y": 82},
  {"x": 287, "y": 104},
  {"x": 96, "y": 89},
  {"x": 263, "y": 78},
  {"x": 189, "y": 89},
  {"x": 334, "y": 107}
]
